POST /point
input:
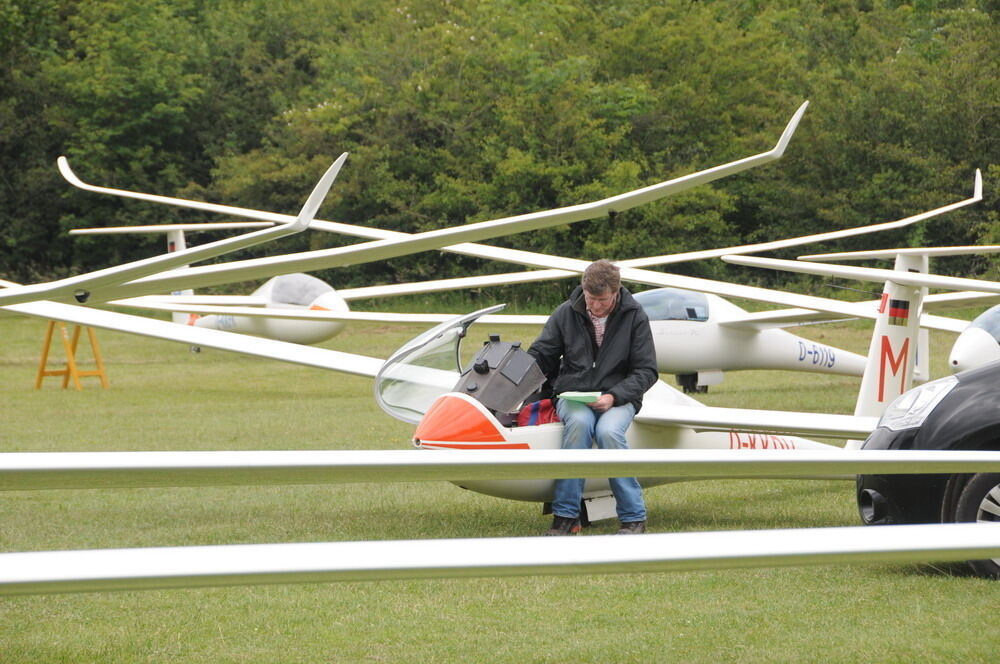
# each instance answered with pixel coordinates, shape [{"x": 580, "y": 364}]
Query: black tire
[{"x": 980, "y": 501}]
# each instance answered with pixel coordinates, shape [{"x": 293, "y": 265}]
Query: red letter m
[{"x": 895, "y": 363}]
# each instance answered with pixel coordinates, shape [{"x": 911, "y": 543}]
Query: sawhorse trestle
[{"x": 72, "y": 369}]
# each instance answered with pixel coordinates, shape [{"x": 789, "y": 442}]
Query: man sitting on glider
[{"x": 597, "y": 341}]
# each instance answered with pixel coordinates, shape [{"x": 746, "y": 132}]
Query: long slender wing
[
  {"x": 279, "y": 350},
  {"x": 529, "y": 258},
  {"x": 837, "y": 307},
  {"x": 31, "y": 471},
  {"x": 889, "y": 254},
  {"x": 247, "y": 564},
  {"x": 977, "y": 195},
  {"x": 710, "y": 418},
  {"x": 915, "y": 279},
  {"x": 81, "y": 286},
  {"x": 868, "y": 309},
  {"x": 939, "y": 301},
  {"x": 164, "y": 302},
  {"x": 163, "y": 228},
  {"x": 458, "y": 283},
  {"x": 322, "y": 314}
]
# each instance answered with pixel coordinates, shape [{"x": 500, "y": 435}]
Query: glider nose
[
  {"x": 974, "y": 347},
  {"x": 459, "y": 422}
]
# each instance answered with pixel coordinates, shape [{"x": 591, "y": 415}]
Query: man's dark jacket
[{"x": 625, "y": 364}]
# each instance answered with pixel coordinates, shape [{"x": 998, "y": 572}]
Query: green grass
[{"x": 163, "y": 397}]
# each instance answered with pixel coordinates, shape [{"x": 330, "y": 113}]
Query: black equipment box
[{"x": 501, "y": 376}]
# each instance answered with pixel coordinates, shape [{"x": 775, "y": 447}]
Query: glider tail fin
[
  {"x": 892, "y": 354},
  {"x": 177, "y": 242},
  {"x": 895, "y": 344}
]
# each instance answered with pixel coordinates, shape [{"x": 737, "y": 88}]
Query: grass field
[{"x": 165, "y": 398}]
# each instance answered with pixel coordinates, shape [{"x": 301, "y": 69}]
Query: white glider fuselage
[
  {"x": 978, "y": 343},
  {"x": 462, "y": 409},
  {"x": 706, "y": 338},
  {"x": 287, "y": 292},
  {"x": 457, "y": 421}
]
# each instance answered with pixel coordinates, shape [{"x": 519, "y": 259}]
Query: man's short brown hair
[{"x": 600, "y": 277}]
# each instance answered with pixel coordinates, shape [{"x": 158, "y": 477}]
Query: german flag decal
[{"x": 899, "y": 312}]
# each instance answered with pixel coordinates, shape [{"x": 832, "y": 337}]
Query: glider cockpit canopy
[
  {"x": 673, "y": 304},
  {"x": 426, "y": 367},
  {"x": 989, "y": 321}
]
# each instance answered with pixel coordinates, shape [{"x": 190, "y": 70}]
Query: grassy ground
[{"x": 163, "y": 397}]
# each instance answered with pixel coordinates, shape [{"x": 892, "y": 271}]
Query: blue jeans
[{"x": 582, "y": 426}]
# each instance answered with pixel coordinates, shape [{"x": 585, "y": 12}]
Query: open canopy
[{"x": 424, "y": 369}]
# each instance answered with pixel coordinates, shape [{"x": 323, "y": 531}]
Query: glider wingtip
[
  {"x": 63, "y": 164},
  {"x": 977, "y": 189},
  {"x": 786, "y": 136},
  {"x": 318, "y": 194}
]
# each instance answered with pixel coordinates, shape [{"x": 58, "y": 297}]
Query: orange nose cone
[{"x": 456, "y": 422}]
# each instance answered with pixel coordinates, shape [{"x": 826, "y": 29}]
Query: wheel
[
  {"x": 980, "y": 501},
  {"x": 688, "y": 382}
]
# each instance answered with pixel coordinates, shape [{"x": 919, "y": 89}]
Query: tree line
[{"x": 458, "y": 110}]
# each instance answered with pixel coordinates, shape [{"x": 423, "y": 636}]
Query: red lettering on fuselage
[
  {"x": 895, "y": 363},
  {"x": 759, "y": 441}
]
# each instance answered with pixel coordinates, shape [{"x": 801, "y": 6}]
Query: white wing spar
[
  {"x": 890, "y": 254},
  {"x": 247, "y": 564},
  {"x": 31, "y": 471}
]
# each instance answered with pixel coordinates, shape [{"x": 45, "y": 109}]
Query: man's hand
[{"x": 603, "y": 403}]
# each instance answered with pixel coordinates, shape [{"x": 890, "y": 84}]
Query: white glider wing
[
  {"x": 529, "y": 258},
  {"x": 914, "y": 279},
  {"x": 710, "y": 418},
  {"x": 869, "y": 309},
  {"x": 386, "y": 318},
  {"x": 278, "y": 350},
  {"x": 164, "y": 228},
  {"x": 36, "y": 471},
  {"x": 164, "y": 302},
  {"x": 248, "y": 564}
]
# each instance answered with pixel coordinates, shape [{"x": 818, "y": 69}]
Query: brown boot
[
  {"x": 564, "y": 525},
  {"x": 632, "y": 528}
]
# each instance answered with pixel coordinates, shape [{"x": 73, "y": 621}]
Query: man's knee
[
  {"x": 610, "y": 439},
  {"x": 578, "y": 426},
  {"x": 609, "y": 431}
]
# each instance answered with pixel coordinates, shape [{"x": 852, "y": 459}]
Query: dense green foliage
[{"x": 461, "y": 110}]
